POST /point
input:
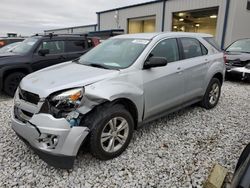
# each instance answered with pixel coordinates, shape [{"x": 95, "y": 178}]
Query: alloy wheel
[
  {"x": 214, "y": 93},
  {"x": 114, "y": 134}
]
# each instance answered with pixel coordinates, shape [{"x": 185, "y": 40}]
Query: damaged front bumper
[
  {"x": 53, "y": 139},
  {"x": 242, "y": 72}
]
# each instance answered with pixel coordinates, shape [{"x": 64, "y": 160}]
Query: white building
[
  {"x": 73, "y": 30},
  {"x": 227, "y": 20}
]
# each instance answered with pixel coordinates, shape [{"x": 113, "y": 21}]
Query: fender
[{"x": 95, "y": 94}]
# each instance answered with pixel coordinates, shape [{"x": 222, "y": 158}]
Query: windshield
[
  {"x": 25, "y": 46},
  {"x": 9, "y": 47},
  {"x": 240, "y": 46},
  {"x": 114, "y": 53}
]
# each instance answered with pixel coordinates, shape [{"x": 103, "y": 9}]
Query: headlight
[{"x": 68, "y": 99}]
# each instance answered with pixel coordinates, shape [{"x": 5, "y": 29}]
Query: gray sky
[{"x": 34, "y": 16}]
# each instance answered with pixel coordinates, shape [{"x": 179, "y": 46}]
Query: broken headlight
[{"x": 68, "y": 100}]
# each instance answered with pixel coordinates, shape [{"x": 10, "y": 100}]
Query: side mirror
[
  {"x": 43, "y": 52},
  {"x": 155, "y": 62}
]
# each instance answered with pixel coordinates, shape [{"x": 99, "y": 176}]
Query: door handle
[{"x": 179, "y": 71}]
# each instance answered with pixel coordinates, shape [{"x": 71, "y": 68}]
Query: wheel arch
[
  {"x": 130, "y": 106},
  {"x": 219, "y": 76},
  {"x": 10, "y": 70}
]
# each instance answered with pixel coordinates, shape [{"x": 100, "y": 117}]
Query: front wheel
[
  {"x": 212, "y": 95},
  {"x": 112, "y": 129}
]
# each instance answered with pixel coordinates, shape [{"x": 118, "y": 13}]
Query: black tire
[
  {"x": 98, "y": 120},
  {"x": 245, "y": 153},
  {"x": 11, "y": 83},
  {"x": 206, "y": 103}
]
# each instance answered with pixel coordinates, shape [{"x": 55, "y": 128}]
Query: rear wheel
[
  {"x": 111, "y": 131},
  {"x": 11, "y": 82},
  {"x": 212, "y": 95}
]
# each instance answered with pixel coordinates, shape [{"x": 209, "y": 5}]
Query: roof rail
[{"x": 51, "y": 35}]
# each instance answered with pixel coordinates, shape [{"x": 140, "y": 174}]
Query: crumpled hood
[{"x": 63, "y": 76}]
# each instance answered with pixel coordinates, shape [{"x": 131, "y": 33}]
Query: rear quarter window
[
  {"x": 212, "y": 42},
  {"x": 75, "y": 45},
  {"x": 191, "y": 48}
]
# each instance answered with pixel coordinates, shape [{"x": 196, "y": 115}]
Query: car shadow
[
  {"x": 84, "y": 158},
  {"x": 4, "y": 97}
]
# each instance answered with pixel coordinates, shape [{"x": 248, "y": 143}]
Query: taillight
[
  {"x": 96, "y": 41},
  {"x": 225, "y": 58}
]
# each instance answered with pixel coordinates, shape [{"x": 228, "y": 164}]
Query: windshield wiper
[
  {"x": 90, "y": 64},
  {"x": 76, "y": 60},
  {"x": 97, "y": 65}
]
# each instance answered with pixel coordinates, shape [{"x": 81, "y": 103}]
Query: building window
[
  {"x": 141, "y": 25},
  {"x": 199, "y": 21}
]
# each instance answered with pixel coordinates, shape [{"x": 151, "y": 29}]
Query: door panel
[
  {"x": 195, "y": 65},
  {"x": 194, "y": 72},
  {"x": 40, "y": 62},
  {"x": 163, "y": 86}
]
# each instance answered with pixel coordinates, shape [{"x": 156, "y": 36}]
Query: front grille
[{"x": 29, "y": 97}]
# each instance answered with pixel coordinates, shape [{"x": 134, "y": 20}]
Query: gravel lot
[{"x": 175, "y": 151}]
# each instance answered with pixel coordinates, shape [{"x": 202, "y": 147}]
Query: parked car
[
  {"x": 8, "y": 47},
  {"x": 241, "y": 178},
  {"x": 8, "y": 40},
  {"x": 238, "y": 59},
  {"x": 38, "y": 52},
  {"x": 121, "y": 84}
]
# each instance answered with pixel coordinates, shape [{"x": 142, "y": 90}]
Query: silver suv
[{"x": 113, "y": 89}]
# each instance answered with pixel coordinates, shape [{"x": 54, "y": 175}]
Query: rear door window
[
  {"x": 75, "y": 46},
  {"x": 167, "y": 48},
  {"x": 191, "y": 48}
]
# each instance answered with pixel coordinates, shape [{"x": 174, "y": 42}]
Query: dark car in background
[
  {"x": 8, "y": 40},
  {"x": 238, "y": 59},
  {"x": 38, "y": 52}
]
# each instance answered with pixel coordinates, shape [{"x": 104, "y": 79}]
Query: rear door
[
  {"x": 56, "y": 54},
  {"x": 195, "y": 66},
  {"x": 163, "y": 86}
]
